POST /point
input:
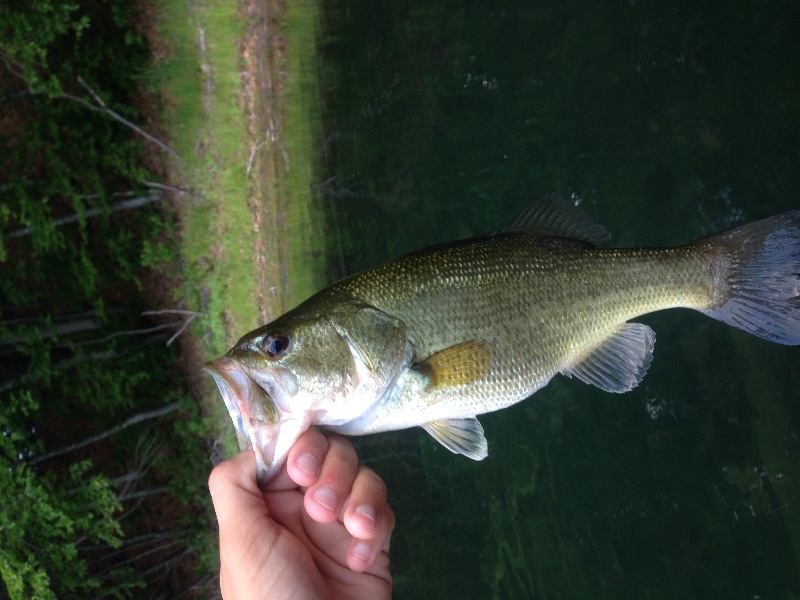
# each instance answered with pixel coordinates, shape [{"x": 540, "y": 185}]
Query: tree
[
  {"x": 78, "y": 220},
  {"x": 44, "y": 520}
]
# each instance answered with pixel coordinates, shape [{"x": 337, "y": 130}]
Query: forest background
[{"x": 140, "y": 152}]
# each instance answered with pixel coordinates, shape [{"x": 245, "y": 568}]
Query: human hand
[{"x": 320, "y": 529}]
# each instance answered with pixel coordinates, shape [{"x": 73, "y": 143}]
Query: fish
[{"x": 437, "y": 337}]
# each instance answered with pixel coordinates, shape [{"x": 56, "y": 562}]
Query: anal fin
[
  {"x": 619, "y": 362},
  {"x": 460, "y": 436}
]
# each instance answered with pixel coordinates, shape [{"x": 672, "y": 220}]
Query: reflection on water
[{"x": 669, "y": 120}]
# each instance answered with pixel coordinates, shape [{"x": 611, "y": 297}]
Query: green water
[{"x": 668, "y": 120}]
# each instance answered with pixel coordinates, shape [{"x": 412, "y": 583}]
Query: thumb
[
  {"x": 237, "y": 499},
  {"x": 258, "y": 557}
]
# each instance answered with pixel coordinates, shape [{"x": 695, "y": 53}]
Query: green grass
[
  {"x": 208, "y": 129},
  {"x": 302, "y": 126}
]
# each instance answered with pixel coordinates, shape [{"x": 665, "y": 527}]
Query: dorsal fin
[{"x": 554, "y": 216}]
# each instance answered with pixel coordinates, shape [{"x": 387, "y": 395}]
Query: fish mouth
[{"x": 252, "y": 410}]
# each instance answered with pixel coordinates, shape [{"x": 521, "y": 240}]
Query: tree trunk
[
  {"x": 143, "y": 416},
  {"x": 151, "y": 197}
]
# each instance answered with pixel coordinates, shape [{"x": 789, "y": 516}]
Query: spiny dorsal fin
[
  {"x": 460, "y": 436},
  {"x": 554, "y": 216},
  {"x": 619, "y": 362},
  {"x": 460, "y": 364}
]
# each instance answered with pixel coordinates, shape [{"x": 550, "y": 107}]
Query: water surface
[{"x": 667, "y": 121}]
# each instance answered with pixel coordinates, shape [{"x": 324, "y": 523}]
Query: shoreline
[{"x": 238, "y": 107}]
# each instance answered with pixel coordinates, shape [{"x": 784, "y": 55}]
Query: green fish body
[{"x": 435, "y": 338}]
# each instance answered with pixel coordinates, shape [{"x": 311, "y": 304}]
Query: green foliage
[
  {"x": 33, "y": 29},
  {"x": 61, "y": 158},
  {"x": 45, "y": 519},
  {"x": 77, "y": 356},
  {"x": 160, "y": 252},
  {"x": 192, "y": 435},
  {"x": 116, "y": 381}
]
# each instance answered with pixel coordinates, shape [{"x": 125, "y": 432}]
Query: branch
[
  {"x": 143, "y": 416},
  {"x": 166, "y": 564},
  {"x": 104, "y": 109},
  {"x": 253, "y": 151},
  {"x": 76, "y": 324},
  {"x": 151, "y": 197},
  {"x": 108, "y": 572},
  {"x": 145, "y": 456},
  {"x": 132, "y": 542},
  {"x": 164, "y": 186},
  {"x": 191, "y": 314},
  {"x": 8, "y": 60},
  {"x": 129, "y": 332}
]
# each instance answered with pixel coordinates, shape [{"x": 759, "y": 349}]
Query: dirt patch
[{"x": 264, "y": 101}]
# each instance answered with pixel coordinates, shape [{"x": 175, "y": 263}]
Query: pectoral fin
[
  {"x": 460, "y": 364},
  {"x": 460, "y": 436},
  {"x": 619, "y": 362}
]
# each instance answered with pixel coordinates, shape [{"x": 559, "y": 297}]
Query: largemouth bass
[{"x": 435, "y": 338}]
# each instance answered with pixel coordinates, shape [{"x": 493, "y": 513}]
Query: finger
[
  {"x": 306, "y": 457},
  {"x": 325, "y": 498},
  {"x": 370, "y": 520},
  {"x": 365, "y": 505},
  {"x": 372, "y": 555},
  {"x": 302, "y": 464}
]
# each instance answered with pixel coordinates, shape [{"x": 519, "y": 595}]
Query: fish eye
[{"x": 275, "y": 344}]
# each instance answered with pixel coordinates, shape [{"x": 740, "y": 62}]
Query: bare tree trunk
[
  {"x": 78, "y": 324},
  {"x": 64, "y": 364},
  {"x": 130, "y": 543},
  {"x": 133, "y": 332},
  {"x": 151, "y": 197},
  {"x": 143, "y": 416},
  {"x": 159, "y": 489},
  {"x": 197, "y": 585}
]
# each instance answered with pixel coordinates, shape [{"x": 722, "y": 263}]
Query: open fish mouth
[{"x": 253, "y": 413}]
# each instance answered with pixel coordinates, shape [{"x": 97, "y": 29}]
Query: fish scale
[
  {"x": 440, "y": 336},
  {"x": 538, "y": 303}
]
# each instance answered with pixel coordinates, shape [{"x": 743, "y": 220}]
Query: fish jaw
[{"x": 258, "y": 423}]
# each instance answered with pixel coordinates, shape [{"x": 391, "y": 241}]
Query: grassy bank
[
  {"x": 241, "y": 104},
  {"x": 304, "y": 246}
]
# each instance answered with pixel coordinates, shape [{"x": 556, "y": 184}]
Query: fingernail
[
  {"x": 362, "y": 551},
  {"x": 326, "y": 498},
  {"x": 307, "y": 464},
  {"x": 365, "y": 510}
]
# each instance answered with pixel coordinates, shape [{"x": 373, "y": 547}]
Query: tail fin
[{"x": 762, "y": 271}]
